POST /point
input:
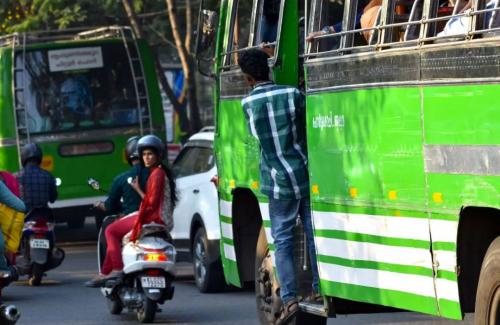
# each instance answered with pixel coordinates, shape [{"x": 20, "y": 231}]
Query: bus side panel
[
  {"x": 237, "y": 155},
  {"x": 462, "y": 168},
  {"x": 227, "y": 248},
  {"x": 368, "y": 193}
]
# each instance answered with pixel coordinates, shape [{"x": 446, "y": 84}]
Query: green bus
[
  {"x": 403, "y": 147},
  {"x": 79, "y": 95}
]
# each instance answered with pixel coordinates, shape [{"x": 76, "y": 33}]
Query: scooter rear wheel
[
  {"x": 146, "y": 314},
  {"x": 36, "y": 275}
]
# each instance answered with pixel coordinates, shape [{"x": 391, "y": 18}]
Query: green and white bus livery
[{"x": 79, "y": 95}]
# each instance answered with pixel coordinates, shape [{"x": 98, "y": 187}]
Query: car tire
[
  {"x": 487, "y": 310},
  {"x": 209, "y": 277},
  {"x": 76, "y": 222}
]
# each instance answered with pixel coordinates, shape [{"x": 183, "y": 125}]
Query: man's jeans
[{"x": 283, "y": 214}]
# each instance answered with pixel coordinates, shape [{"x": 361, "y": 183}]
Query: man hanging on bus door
[{"x": 276, "y": 117}]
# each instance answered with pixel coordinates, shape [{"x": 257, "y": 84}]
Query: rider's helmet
[
  {"x": 131, "y": 149},
  {"x": 151, "y": 141},
  {"x": 31, "y": 151}
]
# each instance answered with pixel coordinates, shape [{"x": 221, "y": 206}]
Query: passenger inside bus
[
  {"x": 334, "y": 17},
  {"x": 269, "y": 21},
  {"x": 459, "y": 25}
]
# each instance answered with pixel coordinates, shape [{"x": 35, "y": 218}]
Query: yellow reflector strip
[
  {"x": 437, "y": 197},
  {"x": 353, "y": 192},
  {"x": 48, "y": 163},
  {"x": 315, "y": 189},
  {"x": 393, "y": 195}
]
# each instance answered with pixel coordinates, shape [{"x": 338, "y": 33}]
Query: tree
[{"x": 187, "y": 60}]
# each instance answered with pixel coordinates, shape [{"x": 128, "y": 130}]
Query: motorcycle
[
  {"x": 38, "y": 251},
  {"x": 148, "y": 272}
]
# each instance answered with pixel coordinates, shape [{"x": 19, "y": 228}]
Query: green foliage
[{"x": 29, "y": 15}]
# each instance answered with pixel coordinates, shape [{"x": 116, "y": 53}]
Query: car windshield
[{"x": 71, "y": 89}]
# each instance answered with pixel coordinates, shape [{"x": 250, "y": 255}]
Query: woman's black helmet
[
  {"x": 31, "y": 151},
  {"x": 151, "y": 141},
  {"x": 131, "y": 149}
]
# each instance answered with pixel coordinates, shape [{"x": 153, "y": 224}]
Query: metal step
[{"x": 315, "y": 309}]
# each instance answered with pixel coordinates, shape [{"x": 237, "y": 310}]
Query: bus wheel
[
  {"x": 488, "y": 289},
  {"x": 268, "y": 301}
]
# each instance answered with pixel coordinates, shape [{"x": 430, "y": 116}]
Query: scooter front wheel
[
  {"x": 146, "y": 314},
  {"x": 114, "y": 306}
]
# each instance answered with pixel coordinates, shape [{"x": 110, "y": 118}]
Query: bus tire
[{"x": 487, "y": 311}]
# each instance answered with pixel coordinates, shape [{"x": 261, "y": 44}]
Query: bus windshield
[{"x": 77, "y": 88}]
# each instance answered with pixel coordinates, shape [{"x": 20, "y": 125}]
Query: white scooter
[{"x": 148, "y": 273}]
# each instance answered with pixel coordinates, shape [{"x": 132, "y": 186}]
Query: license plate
[
  {"x": 153, "y": 282},
  {"x": 39, "y": 243}
]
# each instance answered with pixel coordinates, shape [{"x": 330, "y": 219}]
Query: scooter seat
[{"x": 149, "y": 230}]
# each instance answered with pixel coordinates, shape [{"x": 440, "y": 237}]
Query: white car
[{"x": 196, "y": 215}]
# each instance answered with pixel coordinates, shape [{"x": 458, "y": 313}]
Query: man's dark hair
[{"x": 254, "y": 63}]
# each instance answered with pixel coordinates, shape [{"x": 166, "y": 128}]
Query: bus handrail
[
  {"x": 57, "y": 35},
  {"x": 419, "y": 41}
]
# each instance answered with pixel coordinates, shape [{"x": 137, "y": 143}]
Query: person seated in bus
[
  {"x": 459, "y": 25},
  {"x": 38, "y": 186},
  {"x": 337, "y": 26},
  {"x": 157, "y": 206},
  {"x": 77, "y": 98},
  {"x": 269, "y": 21},
  {"x": 369, "y": 18},
  {"x": 122, "y": 198},
  {"x": 283, "y": 168}
]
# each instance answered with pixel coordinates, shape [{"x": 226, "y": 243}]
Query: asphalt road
[{"x": 62, "y": 299}]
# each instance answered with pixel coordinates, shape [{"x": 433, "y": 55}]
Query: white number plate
[
  {"x": 39, "y": 243},
  {"x": 153, "y": 282}
]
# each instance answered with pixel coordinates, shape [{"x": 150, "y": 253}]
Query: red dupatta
[{"x": 152, "y": 203}]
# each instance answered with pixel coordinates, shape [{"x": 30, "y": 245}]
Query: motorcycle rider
[
  {"x": 8, "y": 197},
  {"x": 122, "y": 198},
  {"x": 157, "y": 206},
  {"x": 37, "y": 186}
]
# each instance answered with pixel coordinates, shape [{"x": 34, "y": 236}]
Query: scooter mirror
[
  {"x": 58, "y": 181},
  {"x": 94, "y": 184}
]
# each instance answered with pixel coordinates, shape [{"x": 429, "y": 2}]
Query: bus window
[
  {"x": 398, "y": 13},
  {"x": 77, "y": 88},
  {"x": 327, "y": 18},
  {"x": 241, "y": 29},
  {"x": 267, "y": 21}
]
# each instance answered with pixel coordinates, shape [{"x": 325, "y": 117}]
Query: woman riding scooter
[{"x": 156, "y": 207}]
